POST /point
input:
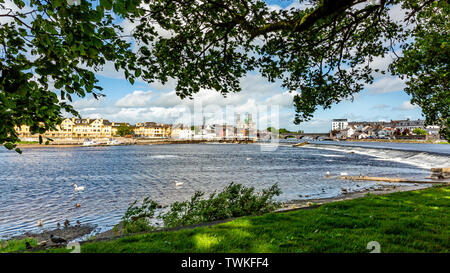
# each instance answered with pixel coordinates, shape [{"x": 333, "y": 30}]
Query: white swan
[
  {"x": 178, "y": 183},
  {"x": 80, "y": 188},
  {"x": 328, "y": 174},
  {"x": 343, "y": 174},
  {"x": 248, "y": 158}
]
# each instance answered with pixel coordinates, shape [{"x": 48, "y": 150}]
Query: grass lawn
[
  {"x": 27, "y": 142},
  {"x": 415, "y": 221}
]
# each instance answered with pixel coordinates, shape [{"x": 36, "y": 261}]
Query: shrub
[
  {"x": 234, "y": 201},
  {"x": 137, "y": 218}
]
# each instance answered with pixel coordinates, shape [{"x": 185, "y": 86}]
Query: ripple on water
[{"x": 39, "y": 183}]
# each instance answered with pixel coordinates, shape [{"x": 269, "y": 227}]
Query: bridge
[{"x": 302, "y": 135}]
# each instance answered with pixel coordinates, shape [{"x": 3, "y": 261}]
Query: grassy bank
[
  {"x": 26, "y": 142},
  {"x": 415, "y": 221}
]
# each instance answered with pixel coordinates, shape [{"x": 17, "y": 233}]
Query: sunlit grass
[
  {"x": 416, "y": 221},
  {"x": 15, "y": 245}
]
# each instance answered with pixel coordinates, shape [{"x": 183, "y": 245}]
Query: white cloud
[
  {"x": 407, "y": 106},
  {"x": 274, "y": 7},
  {"x": 88, "y": 103},
  {"x": 299, "y": 6},
  {"x": 386, "y": 85},
  {"x": 283, "y": 99},
  {"x": 135, "y": 99},
  {"x": 169, "y": 85}
]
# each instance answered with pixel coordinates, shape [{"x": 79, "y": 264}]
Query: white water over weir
[{"x": 424, "y": 160}]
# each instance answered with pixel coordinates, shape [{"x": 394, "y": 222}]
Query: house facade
[
  {"x": 379, "y": 129},
  {"x": 339, "y": 124},
  {"x": 71, "y": 128},
  {"x": 153, "y": 130},
  {"x": 182, "y": 132}
]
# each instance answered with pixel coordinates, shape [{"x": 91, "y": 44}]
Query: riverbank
[
  {"x": 168, "y": 141},
  {"x": 130, "y": 142},
  {"x": 416, "y": 141},
  {"x": 408, "y": 221},
  {"x": 384, "y": 191}
]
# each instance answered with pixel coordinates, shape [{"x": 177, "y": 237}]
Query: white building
[
  {"x": 181, "y": 132},
  {"x": 339, "y": 124},
  {"x": 432, "y": 130}
]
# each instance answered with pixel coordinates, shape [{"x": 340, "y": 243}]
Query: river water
[{"x": 39, "y": 183}]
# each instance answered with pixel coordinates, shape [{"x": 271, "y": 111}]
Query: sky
[{"x": 269, "y": 104}]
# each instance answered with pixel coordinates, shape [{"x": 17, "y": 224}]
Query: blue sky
[{"x": 384, "y": 100}]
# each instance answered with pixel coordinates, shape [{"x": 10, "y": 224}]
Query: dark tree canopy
[
  {"x": 425, "y": 65},
  {"x": 124, "y": 130},
  {"x": 323, "y": 50},
  {"x": 55, "y": 43}
]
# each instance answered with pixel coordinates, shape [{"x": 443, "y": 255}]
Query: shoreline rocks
[
  {"x": 440, "y": 173},
  {"x": 69, "y": 233}
]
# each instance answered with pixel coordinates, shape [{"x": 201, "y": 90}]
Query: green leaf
[
  {"x": 106, "y": 4},
  {"x": 9, "y": 145}
]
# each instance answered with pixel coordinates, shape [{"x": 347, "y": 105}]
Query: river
[{"x": 39, "y": 183}]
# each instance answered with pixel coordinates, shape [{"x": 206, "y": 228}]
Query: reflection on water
[{"x": 39, "y": 183}]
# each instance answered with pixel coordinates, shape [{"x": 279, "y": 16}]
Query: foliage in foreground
[
  {"x": 16, "y": 245},
  {"x": 235, "y": 200},
  {"x": 414, "y": 221}
]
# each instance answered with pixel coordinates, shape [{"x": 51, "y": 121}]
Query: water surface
[{"x": 39, "y": 183}]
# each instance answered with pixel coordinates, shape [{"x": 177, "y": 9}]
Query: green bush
[
  {"x": 137, "y": 218},
  {"x": 234, "y": 201},
  {"x": 419, "y": 131}
]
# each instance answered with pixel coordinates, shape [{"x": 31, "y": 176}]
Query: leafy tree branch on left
[{"x": 48, "y": 52}]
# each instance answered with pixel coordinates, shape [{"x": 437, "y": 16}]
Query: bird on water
[{"x": 78, "y": 188}]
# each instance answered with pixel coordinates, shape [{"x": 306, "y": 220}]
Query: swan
[
  {"x": 343, "y": 174},
  {"x": 78, "y": 188},
  {"x": 178, "y": 183},
  {"x": 328, "y": 174},
  {"x": 248, "y": 158}
]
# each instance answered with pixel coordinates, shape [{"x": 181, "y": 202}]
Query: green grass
[
  {"x": 27, "y": 142},
  {"x": 415, "y": 221},
  {"x": 15, "y": 245}
]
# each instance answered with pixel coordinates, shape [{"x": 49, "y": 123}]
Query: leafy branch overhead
[
  {"x": 323, "y": 49},
  {"x": 50, "y": 45}
]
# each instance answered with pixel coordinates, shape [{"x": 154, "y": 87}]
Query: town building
[
  {"x": 152, "y": 130},
  {"x": 245, "y": 128},
  {"x": 71, "y": 128},
  {"x": 379, "y": 129},
  {"x": 182, "y": 132},
  {"x": 339, "y": 124}
]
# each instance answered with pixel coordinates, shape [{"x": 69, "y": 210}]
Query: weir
[
  {"x": 391, "y": 179},
  {"x": 422, "y": 159}
]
